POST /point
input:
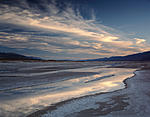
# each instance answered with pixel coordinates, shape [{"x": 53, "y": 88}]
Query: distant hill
[
  {"x": 14, "y": 56},
  {"x": 145, "y": 56}
]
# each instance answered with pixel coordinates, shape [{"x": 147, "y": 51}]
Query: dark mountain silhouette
[
  {"x": 145, "y": 56},
  {"x": 14, "y": 56}
]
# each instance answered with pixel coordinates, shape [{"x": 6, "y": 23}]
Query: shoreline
[{"x": 54, "y": 106}]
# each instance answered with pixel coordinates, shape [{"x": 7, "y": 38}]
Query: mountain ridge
[
  {"x": 15, "y": 56},
  {"x": 144, "y": 56}
]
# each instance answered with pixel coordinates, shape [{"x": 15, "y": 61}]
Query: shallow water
[{"x": 31, "y": 86}]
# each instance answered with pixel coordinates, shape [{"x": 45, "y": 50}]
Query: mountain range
[
  {"x": 14, "y": 56},
  {"x": 145, "y": 56}
]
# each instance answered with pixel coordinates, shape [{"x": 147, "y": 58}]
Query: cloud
[
  {"x": 67, "y": 22},
  {"x": 12, "y": 37},
  {"x": 139, "y": 41},
  {"x": 60, "y": 31}
]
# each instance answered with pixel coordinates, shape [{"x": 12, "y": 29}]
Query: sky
[{"x": 74, "y": 29}]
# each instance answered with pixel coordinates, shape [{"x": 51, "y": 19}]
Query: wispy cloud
[
  {"x": 62, "y": 31},
  {"x": 139, "y": 41}
]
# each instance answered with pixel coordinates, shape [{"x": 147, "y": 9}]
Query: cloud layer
[{"x": 61, "y": 32}]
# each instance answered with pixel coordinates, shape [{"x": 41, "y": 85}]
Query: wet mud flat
[
  {"x": 132, "y": 101},
  {"x": 74, "y": 89}
]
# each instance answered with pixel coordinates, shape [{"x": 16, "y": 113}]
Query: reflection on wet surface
[{"x": 24, "y": 100}]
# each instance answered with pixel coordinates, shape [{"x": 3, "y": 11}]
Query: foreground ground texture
[
  {"x": 74, "y": 89},
  {"x": 133, "y": 101}
]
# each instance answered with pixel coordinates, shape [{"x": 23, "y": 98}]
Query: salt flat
[{"x": 82, "y": 88}]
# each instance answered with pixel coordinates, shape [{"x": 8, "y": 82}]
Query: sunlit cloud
[
  {"x": 139, "y": 41},
  {"x": 12, "y": 37},
  {"x": 63, "y": 31},
  {"x": 67, "y": 22}
]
